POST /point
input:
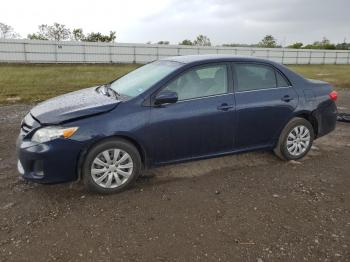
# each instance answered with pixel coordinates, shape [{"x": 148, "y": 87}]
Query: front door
[{"x": 202, "y": 122}]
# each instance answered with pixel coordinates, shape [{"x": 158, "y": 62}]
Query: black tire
[
  {"x": 122, "y": 144},
  {"x": 281, "y": 148}
]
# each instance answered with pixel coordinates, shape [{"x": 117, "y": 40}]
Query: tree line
[
  {"x": 270, "y": 42},
  {"x": 59, "y": 32}
]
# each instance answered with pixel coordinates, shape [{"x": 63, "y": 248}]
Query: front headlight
[{"x": 53, "y": 132}]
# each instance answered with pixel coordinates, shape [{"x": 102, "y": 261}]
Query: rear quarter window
[{"x": 281, "y": 80}]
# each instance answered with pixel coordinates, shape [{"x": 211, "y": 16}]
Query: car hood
[{"x": 73, "y": 105}]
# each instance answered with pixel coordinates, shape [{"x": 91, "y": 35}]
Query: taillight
[{"x": 333, "y": 95}]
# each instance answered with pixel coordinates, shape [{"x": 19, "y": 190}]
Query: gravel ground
[{"x": 249, "y": 207}]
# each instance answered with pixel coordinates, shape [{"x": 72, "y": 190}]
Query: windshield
[{"x": 141, "y": 79}]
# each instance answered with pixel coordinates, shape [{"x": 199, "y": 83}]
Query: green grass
[
  {"x": 36, "y": 82},
  {"x": 337, "y": 75}
]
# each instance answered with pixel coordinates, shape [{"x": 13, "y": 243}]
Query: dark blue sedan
[{"x": 169, "y": 111}]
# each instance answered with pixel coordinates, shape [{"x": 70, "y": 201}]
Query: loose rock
[
  {"x": 7, "y": 206},
  {"x": 294, "y": 162}
]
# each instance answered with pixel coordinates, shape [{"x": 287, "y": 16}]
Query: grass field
[
  {"x": 337, "y": 75},
  {"x": 37, "y": 82}
]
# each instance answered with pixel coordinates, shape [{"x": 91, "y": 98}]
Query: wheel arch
[
  {"x": 309, "y": 116},
  {"x": 126, "y": 137}
]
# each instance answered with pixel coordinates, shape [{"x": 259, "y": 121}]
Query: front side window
[
  {"x": 200, "y": 82},
  {"x": 141, "y": 79}
]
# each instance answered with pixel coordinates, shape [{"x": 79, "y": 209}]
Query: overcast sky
[{"x": 223, "y": 21}]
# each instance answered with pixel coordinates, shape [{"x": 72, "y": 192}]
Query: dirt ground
[{"x": 249, "y": 207}]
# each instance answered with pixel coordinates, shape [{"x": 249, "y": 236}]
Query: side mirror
[{"x": 166, "y": 97}]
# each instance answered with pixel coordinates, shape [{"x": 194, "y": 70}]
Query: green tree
[
  {"x": 163, "y": 43},
  {"x": 323, "y": 44},
  {"x": 296, "y": 45},
  {"x": 343, "y": 46},
  {"x": 98, "y": 37},
  {"x": 202, "y": 40},
  {"x": 186, "y": 42},
  {"x": 6, "y": 31},
  {"x": 78, "y": 34},
  {"x": 36, "y": 37},
  {"x": 55, "y": 32},
  {"x": 268, "y": 41},
  {"x": 112, "y": 36}
]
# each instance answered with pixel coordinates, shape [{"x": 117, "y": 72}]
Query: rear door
[
  {"x": 265, "y": 101},
  {"x": 202, "y": 122}
]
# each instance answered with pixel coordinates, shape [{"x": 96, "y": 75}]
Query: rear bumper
[
  {"x": 51, "y": 162},
  {"x": 326, "y": 116}
]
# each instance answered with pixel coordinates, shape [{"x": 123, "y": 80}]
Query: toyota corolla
[{"x": 170, "y": 111}]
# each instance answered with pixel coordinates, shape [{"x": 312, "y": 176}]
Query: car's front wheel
[
  {"x": 295, "y": 140},
  {"x": 111, "y": 166}
]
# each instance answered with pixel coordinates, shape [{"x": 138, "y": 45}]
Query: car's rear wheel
[
  {"x": 111, "y": 166},
  {"x": 295, "y": 140}
]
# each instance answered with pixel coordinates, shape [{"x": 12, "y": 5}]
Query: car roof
[
  {"x": 202, "y": 59},
  {"x": 213, "y": 58}
]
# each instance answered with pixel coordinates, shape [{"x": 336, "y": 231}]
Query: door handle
[
  {"x": 225, "y": 107},
  {"x": 287, "y": 98}
]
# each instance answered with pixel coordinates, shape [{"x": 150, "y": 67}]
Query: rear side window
[{"x": 256, "y": 77}]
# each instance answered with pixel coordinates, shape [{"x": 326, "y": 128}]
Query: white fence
[{"x": 36, "y": 51}]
